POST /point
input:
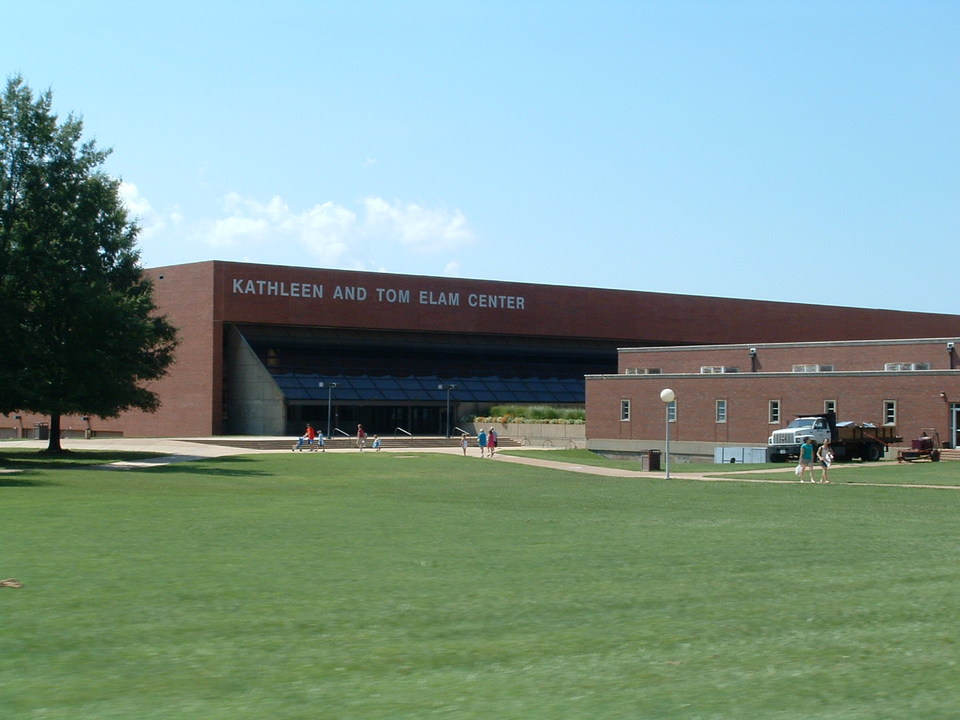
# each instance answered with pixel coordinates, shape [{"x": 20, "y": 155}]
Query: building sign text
[{"x": 360, "y": 294}]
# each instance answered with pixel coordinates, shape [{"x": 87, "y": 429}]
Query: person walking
[
  {"x": 309, "y": 435},
  {"x": 482, "y": 442},
  {"x": 492, "y": 441},
  {"x": 361, "y": 437},
  {"x": 464, "y": 443},
  {"x": 376, "y": 443},
  {"x": 825, "y": 456},
  {"x": 806, "y": 459}
]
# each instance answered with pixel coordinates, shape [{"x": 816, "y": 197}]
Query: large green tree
[{"x": 79, "y": 331}]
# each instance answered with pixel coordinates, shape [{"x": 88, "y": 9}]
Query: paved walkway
[{"x": 174, "y": 450}]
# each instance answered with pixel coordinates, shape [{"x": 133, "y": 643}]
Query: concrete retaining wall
[{"x": 536, "y": 434}]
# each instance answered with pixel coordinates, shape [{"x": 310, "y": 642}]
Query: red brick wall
[
  {"x": 782, "y": 358},
  {"x": 634, "y": 317},
  {"x": 859, "y": 396},
  {"x": 191, "y": 392},
  {"x": 199, "y": 298}
]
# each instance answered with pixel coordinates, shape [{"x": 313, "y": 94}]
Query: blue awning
[{"x": 431, "y": 389}]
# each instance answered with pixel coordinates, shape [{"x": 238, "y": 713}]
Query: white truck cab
[{"x": 793, "y": 434}]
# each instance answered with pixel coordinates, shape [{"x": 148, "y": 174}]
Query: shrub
[{"x": 533, "y": 414}]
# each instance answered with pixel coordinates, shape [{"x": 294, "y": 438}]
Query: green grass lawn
[
  {"x": 415, "y": 585},
  {"x": 590, "y": 458},
  {"x": 20, "y": 459},
  {"x": 578, "y": 457},
  {"x": 886, "y": 473}
]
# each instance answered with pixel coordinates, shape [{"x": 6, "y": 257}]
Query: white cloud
[
  {"x": 132, "y": 200},
  {"x": 150, "y": 222},
  {"x": 416, "y": 227},
  {"x": 452, "y": 269},
  {"x": 322, "y": 232},
  {"x": 379, "y": 235},
  {"x": 332, "y": 233},
  {"x": 238, "y": 230}
]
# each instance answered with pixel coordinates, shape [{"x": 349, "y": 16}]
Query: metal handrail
[
  {"x": 345, "y": 434},
  {"x": 461, "y": 431},
  {"x": 405, "y": 432}
]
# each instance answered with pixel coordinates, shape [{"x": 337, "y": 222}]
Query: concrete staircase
[
  {"x": 342, "y": 443},
  {"x": 950, "y": 454}
]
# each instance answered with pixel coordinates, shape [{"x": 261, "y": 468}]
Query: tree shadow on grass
[
  {"x": 227, "y": 466},
  {"x": 34, "y": 460},
  {"x": 23, "y": 462},
  {"x": 21, "y": 480}
]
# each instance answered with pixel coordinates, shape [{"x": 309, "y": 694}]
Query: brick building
[
  {"x": 736, "y": 395},
  {"x": 265, "y": 348}
]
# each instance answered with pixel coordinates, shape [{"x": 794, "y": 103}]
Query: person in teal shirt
[{"x": 806, "y": 458}]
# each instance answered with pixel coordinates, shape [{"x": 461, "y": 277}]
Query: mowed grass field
[{"x": 417, "y": 585}]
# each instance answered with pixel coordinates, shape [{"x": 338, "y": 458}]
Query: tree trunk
[{"x": 53, "y": 447}]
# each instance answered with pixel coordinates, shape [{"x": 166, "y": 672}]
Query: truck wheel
[{"x": 871, "y": 453}]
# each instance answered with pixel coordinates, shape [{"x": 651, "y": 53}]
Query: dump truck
[{"x": 848, "y": 440}]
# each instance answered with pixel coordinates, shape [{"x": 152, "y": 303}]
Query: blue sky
[{"x": 795, "y": 151}]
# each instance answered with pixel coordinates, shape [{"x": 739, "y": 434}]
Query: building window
[
  {"x": 717, "y": 369},
  {"x": 830, "y": 406},
  {"x": 889, "y": 412},
  {"x": 773, "y": 413},
  {"x": 624, "y": 410},
  {"x": 900, "y": 366},
  {"x": 721, "y": 411},
  {"x": 812, "y": 368},
  {"x": 672, "y": 411}
]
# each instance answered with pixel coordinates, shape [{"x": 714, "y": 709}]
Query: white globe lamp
[{"x": 668, "y": 396}]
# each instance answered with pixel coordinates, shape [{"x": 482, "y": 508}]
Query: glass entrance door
[{"x": 954, "y": 425}]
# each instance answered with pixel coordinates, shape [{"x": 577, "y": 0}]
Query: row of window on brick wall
[
  {"x": 798, "y": 368},
  {"x": 625, "y": 410},
  {"x": 773, "y": 411}
]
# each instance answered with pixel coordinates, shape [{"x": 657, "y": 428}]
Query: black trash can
[{"x": 650, "y": 460}]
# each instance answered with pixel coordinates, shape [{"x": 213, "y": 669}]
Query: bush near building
[{"x": 533, "y": 414}]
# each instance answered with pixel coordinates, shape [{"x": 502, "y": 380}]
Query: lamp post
[
  {"x": 448, "y": 388},
  {"x": 668, "y": 396},
  {"x": 330, "y": 387}
]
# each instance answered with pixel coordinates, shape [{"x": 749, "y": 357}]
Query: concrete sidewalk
[
  {"x": 174, "y": 450},
  {"x": 181, "y": 448}
]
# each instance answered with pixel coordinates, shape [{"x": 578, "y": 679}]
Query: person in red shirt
[{"x": 310, "y": 436}]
